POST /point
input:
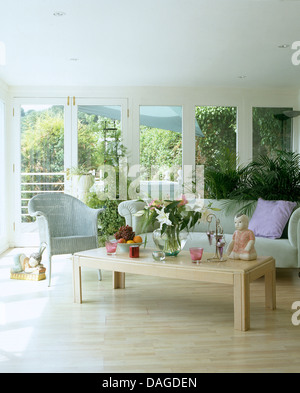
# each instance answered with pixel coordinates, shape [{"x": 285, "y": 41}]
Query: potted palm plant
[
  {"x": 275, "y": 177},
  {"x": 270, "y": 178}
]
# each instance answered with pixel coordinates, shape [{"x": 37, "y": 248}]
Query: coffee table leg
[
  {"x": 77, "y": 280},
  {"x": 241, "y": 302},
  {"x": 118, "y": 280},
  {"x": 270, "y": 289}
]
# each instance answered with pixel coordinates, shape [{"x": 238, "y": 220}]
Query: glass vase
[{"x": 170, "y": 242}]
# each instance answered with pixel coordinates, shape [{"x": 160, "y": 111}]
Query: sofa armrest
[
  {"x": 294, "y": 231},
  {"x": 127, "y": 209},
  {"x": 293, "y": 228}
]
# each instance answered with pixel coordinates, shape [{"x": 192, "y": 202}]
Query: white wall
[{"x": 243, "y": 99}]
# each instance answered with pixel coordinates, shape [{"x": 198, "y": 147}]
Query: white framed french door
[
  {"x": 52, "y": 136},
  {"x": 42, "y": 145}
]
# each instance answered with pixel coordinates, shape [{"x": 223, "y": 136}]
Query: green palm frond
[
  {"x": 270, "y": 178},
  {"x": 276, "y": 178}
]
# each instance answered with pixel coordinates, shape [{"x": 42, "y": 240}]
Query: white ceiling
[{"x": 150, "y": 42}]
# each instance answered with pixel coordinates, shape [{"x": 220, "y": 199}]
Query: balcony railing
[{"x": 33, "y": 183}]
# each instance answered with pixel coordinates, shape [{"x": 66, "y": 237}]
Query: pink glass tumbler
[
  {"x": 196, "y": 254},
  {"x": 111, "y": 247}
]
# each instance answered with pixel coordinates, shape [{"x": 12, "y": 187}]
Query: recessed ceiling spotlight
[
  {"x": 283, "y": 46},
  {"x": 59, "y": 13}
]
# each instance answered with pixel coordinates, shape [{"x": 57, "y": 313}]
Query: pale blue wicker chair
[{"x": 66, "y": 225}]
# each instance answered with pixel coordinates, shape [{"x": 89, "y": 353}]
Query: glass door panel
[
  {"x": 42, "y": 161},
  {"x": 161, "y": 151},
  {"x": 272, "y": 130},
  {"x": 100, "y": 148},
  {"x": 216, "y": 149},
  {"x": 99, "y": 135}
]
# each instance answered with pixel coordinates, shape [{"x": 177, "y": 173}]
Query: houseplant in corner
[
  {"x": 271, "y": 178},
  {"x": 176, "y": 219}
]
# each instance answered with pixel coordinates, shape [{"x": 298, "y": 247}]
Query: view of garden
[{"x": 100, "y": 142}]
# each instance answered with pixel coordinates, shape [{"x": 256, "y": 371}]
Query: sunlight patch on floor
[
  {"x": 15, "y": 340},
  {"x": 23, "y": 310},
  {"x": 23, "y": 303}
]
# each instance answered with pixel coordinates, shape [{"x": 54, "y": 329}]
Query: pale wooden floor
[{"x": 154, "y": 325}]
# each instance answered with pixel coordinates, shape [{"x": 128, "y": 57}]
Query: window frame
[{"x": 3, "y": 165}]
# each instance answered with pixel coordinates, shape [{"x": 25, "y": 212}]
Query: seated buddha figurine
[{"x": 243, "y": 239}]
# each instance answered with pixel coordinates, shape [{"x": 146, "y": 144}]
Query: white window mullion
[
  {"x": 188, "y": 146},
  {"x": 3, "y": 195}
]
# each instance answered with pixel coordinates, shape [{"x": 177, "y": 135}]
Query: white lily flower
[
  {"x": 163, "y": 218},
  {"x": 190, "y": 205},
  {"x": 204, "y": 214},
  {"x": 195, "y": 205}
]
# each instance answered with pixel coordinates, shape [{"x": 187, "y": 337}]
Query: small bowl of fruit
[{"x": 126, "y": 238}]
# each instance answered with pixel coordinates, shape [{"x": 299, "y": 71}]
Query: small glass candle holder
[
  {"x": 196, "y": 254},
  {"x": 210, "y": 236},
  {"x": 220, "y": 247},
  {"x": 159, "y": 256},
  {"x": 111, "y": 247}
]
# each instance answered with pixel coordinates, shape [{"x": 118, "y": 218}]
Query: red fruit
[{"x": 125, "y": 232}]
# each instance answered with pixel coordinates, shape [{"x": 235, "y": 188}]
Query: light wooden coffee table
[{"x": 237, "y": 273}]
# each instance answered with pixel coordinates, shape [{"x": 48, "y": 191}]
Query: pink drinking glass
[
  {"x": 196, "y": 254},
  {"x": 111, "y": 247}
]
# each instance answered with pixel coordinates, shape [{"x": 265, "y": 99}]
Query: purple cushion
[{"x": 270, "y": 218}]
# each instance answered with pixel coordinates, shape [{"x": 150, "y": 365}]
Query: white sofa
[{"x": 283, "y": 250}]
